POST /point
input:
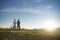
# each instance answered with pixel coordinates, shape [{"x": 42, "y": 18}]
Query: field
[{"x": 25, "y": 34}]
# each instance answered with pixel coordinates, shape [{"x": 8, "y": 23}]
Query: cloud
[
  {"x": 44, "y": 10},
  {"x": 32, "y": 1},
  {"x": 28, "y": 3},
  {"x": 36, "y": 1}
]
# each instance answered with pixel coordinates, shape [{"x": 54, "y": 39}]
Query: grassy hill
[{"x": 25, "y": 34}]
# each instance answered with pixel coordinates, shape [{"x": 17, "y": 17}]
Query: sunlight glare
[{"x": 50, "y": 25}]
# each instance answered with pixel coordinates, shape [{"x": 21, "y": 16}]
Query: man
[{"x": 18, "y": 24}]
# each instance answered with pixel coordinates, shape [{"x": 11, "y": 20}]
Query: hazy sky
[{"x": 32, "y": 13}]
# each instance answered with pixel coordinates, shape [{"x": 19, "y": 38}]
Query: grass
[{"x": 7, "y": 34}]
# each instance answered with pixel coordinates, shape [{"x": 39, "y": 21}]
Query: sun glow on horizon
[{"x": 50, "y": 24}]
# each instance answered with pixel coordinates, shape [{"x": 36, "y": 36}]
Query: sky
[{"x": 32, "y": 13}]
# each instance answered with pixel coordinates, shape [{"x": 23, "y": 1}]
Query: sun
[{"x": 50, "y": 24}]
